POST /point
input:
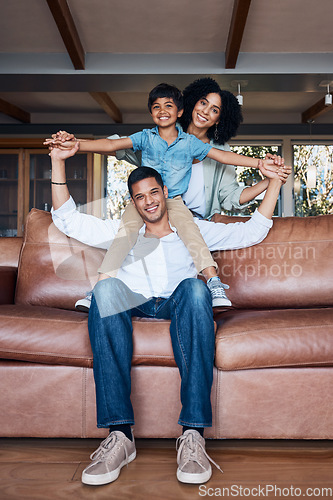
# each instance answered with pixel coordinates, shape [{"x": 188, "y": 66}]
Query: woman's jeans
[{"x": 192, "y": 334}]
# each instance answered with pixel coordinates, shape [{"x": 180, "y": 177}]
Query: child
[{"x": 170, "y": 152}]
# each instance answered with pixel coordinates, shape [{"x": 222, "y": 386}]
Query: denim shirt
[{"x": 173, "y": 162}]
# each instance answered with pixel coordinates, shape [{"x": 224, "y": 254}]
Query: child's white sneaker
[
  {"x": 84, "y": 304},
  {"x": 216, "y": 288}
]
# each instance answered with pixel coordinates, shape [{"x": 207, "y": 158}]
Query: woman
[{"x": 214, "y": 115}]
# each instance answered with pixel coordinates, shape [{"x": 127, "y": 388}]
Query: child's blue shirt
[{"x": 173, "y": 162}]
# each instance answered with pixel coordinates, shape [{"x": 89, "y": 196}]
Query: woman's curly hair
[{"x": 231, "y": 113}]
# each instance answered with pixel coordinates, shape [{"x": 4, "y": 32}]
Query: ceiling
[{"x": 94, "y": 62}]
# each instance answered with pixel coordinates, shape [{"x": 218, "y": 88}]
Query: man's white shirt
[{"x": 155, "y": 267}]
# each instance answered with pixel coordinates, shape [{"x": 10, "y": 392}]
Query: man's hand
[
  {"x": 268, "y": 165},
  {"x": 57, "y": 153},
  {"x": 282, "y": 172}
]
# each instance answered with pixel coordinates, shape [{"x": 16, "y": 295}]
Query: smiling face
[
  {"x": 149, "y": 199},
  {"x": 164, "y": 112},
  {"x": 206, "y": 113}
]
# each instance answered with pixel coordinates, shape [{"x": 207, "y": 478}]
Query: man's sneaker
[
  {"x": 216, "y": 288},
  {"x": 112, "y": 454},
  {"x": 192, "y": 459},
  {"x": 84, "y": 304}
]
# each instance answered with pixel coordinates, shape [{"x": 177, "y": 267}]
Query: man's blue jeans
[{"x": 192, "y": 334}]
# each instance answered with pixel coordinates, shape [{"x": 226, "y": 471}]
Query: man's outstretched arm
[
  {"x": 83, "y": 227},
  {"x": 268, "y": 203},
  {"x": 219, "y": 236},
  {"x": 60, "y": 193}
]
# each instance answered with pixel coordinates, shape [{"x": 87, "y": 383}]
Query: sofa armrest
[{"x": 8, "y": 277}]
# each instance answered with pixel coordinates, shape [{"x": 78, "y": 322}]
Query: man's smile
[{"x": 152, "y": 209}]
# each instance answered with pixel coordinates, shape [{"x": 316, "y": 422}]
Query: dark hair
[
  {"x": 166, "y": 90},
  {"x": 231, "y": 113},
  {"x": 140, "y": 173}
]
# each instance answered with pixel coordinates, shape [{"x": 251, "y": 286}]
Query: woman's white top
[{"x": 194, "y": 197}]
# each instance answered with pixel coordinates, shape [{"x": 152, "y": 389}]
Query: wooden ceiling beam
[
  {"x": 237, "y": 26},
  {"x": 66, "y": 26},
  {"x": 105, "y": 101},
  {"x": 317, "y": 109},
  {"x": 15, "y": 112}
]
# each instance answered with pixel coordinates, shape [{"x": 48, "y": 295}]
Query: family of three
[{"x": 173, "y": 248}]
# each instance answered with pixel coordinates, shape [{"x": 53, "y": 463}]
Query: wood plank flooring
[{"x": 49, "y": 469}]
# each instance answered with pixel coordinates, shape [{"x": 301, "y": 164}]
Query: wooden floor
[{"x": 51, "y": 469}]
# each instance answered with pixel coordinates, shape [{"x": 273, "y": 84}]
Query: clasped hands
[{"x": 281, "y": 171}]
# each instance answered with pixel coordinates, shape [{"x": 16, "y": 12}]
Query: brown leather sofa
[{"x": 274, "y": 352}]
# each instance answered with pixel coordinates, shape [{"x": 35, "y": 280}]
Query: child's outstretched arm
[
  {"x": 229, "y": 158},
  {"x": 102, "y": 146}
]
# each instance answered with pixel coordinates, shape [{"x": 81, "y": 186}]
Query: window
[
  {"x": 117, "y": 195},
  {"x": 311, "y": 193},
  {"x": 249, "y": 176},
  {"x": 313, "y": 179}
]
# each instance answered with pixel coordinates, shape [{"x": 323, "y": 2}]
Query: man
[{"x": 157, "y": 280}]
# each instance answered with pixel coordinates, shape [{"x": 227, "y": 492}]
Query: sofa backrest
[
  {"x": 54, "y": 270},
  {"x": 291, "y": 268}
]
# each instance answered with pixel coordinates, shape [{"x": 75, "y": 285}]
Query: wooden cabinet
[
  {"x": 38, "y": 169},
  {"x": 11, "y": 191},
  {"x": 25, "y": 183}
]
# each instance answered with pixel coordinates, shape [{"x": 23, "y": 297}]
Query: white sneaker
[
  {"x": 216, "y": 288},
  {"x": 84, "y": 304},
  {"x": 109, "y": 458},
  {"x": 192, "y": 459}
]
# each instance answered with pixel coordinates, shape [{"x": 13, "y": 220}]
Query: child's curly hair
[{"x": 231, "y": 113}]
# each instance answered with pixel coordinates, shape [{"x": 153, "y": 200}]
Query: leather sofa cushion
[
  {"x": 59, "y": 337},
  {"x": 44, "y": 335},
  {"x": 276, "y": 338},
  {"x": 244, "y": 340}
]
